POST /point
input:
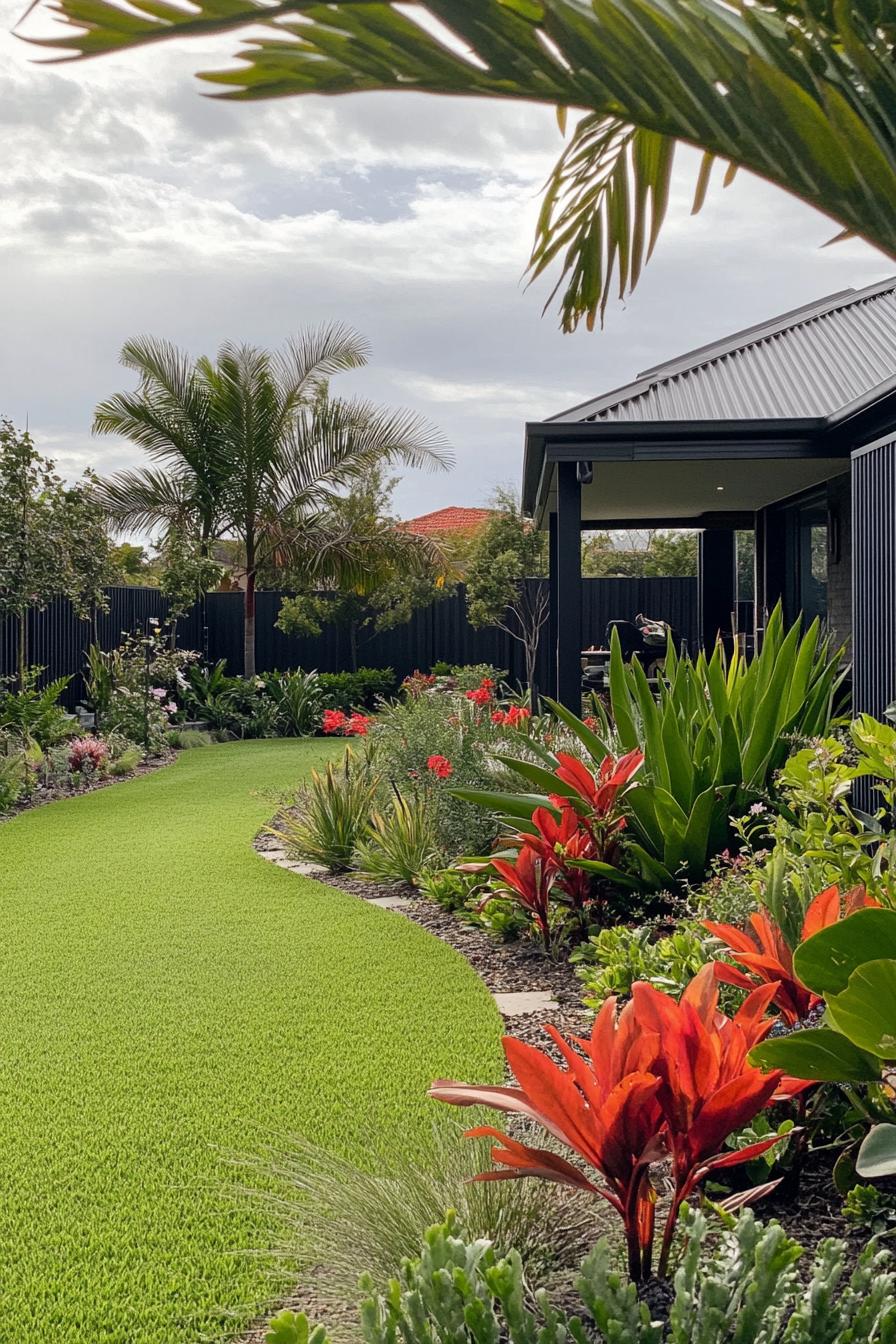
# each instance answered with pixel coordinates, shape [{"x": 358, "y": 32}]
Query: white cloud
[{"x": 132, "y": 204}]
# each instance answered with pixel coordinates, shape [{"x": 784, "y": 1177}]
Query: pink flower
[
  {"x": 170, "y": 708},
  {"x": 159, "y": 692},
  {"x": 440, "y": 766}
]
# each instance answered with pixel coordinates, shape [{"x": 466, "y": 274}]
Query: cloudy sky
[{"x": 131, "y": 204}]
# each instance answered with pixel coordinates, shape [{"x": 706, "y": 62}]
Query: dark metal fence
[{"x": 439, "y": 633}]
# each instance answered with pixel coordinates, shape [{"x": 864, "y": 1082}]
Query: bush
[
  {"x": 184, "y": 739},
  {"x": 334, "y": 809},
  {"x": 343, "y": 1219},
  {"x": 35, "y": 715},
  {"x": 449, "y": 729},
  {"x": 13, "y": 777},
  {"x": 127, "y": 762},
  {"x": 299, "y": 698},
  {"x": 399, "y": 843},
  {"x": 613, "y": 959},
  {"x": 356, "y": 690},
  {"x": 743, "y": 1286}
]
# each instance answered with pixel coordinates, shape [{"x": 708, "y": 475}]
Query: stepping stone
[
  {"x": 388, "y": 902},
  {"x": 304, "y": 869},
  {"x": 530, "y": 1001}
]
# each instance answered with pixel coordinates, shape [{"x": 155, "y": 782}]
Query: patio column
[
  {"x": 716, "y": 585},
  {"x": 569, "y": 587},
  {"x": 551, "y": 687}
]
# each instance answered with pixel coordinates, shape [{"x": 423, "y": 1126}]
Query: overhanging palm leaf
[{"x": 801, "y": 92}]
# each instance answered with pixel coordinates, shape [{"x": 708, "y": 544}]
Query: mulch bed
[
  {"x": 42, "y": 795},
  {"x": 809, "y": 1212}
]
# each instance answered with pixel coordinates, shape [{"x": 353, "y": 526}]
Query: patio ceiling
[{"x": 690, "y": 492}]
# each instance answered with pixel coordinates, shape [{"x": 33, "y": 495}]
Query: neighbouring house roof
[
  {"x": 812, "y": 361},
  {"x": 448, "y": 520}
]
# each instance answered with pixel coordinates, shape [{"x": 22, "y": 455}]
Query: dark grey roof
[{"x": 810, "y": 362}]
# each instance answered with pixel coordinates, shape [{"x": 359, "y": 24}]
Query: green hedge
[{"x": 356, "y": 690}]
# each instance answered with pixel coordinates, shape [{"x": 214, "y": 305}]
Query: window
[{"x": 812, "y": 561}]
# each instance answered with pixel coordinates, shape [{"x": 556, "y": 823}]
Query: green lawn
[{"x": 166, "y": 997}]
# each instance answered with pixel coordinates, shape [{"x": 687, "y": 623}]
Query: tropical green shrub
[
  {"x": 713, "y": 734},
  {"x": 13, "y": 777},
  {"x": 34, "y": 713},
  {"x": 852, "y": 965},
  {"x": 299, "y": 699},
  {"x": 398, "y": 842},
  {"x": 356, "y": 690},
  {"x": 742, "y": 1287},
  {"x": 126, "y": 763},
  {"x": 453, "y": 889},
  {"x": 332, "y": 812},
  {"x": 612, "y": 960}
]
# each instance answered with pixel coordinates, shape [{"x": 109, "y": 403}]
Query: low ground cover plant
[{"x": 745, "y": 1286}]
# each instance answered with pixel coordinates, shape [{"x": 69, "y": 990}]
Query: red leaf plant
[
  {"x": 659, "y": 1080},
  {"x": 766, "y": 957},
  {"x": 528, "y": 882}
]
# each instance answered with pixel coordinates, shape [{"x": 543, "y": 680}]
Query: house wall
[
  {"x": 874, "y": 578},
  {"x": 840, "y": 558}
]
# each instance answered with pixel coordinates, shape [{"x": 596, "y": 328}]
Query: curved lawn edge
[{"x": 166, "y": 997}]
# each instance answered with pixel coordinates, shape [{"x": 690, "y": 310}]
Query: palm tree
[
  {"x": 251, "y": 445},
  {"x": 800, "y": 92}
]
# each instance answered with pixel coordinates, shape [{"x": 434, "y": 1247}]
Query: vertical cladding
[
  {"x": 839, "y": 497},
  {"x": 874, "y": 578}
]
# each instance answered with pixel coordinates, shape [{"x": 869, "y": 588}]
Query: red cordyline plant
[
  {"x": 659, "y": 1080},
  {"x": 766, "y": 957}
]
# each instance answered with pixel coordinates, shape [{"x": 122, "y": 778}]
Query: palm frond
[
  {"x": 799, "y": 92},
  {"x": 143, "y": 499}
]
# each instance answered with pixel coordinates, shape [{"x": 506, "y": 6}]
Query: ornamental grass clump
[
  {"x": 661, "y": 1081},
  {"x": 331, "y": 814}
]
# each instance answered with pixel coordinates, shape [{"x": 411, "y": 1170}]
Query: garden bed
[{"x": 42, "y": 796}]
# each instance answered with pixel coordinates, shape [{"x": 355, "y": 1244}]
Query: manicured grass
[{"x": 166, "y": 999}]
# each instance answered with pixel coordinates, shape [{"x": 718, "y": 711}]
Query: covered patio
[{"x": 696, "y": 444}]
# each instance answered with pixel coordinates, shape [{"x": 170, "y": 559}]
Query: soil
[
  {"x": 809, "y": 1210},
  {"x": 52, "y": 795}
]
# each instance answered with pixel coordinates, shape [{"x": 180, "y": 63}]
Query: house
[
  {"x": 787, "y": 429},
  {"x": 448, "y": 522}
]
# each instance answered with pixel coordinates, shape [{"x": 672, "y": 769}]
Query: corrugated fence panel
[
  {"x": 874, "y": 579},
  {"x": 437, "y": 633}
]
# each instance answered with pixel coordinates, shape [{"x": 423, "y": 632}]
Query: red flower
[
  {"x": 357, "y": 726},
  {"x": 333, "y": 720},
  {"x": 661, "y": 1079},
  {"x": 559, "y": 841},
  {"x": 498, "y": 716},
  {"x": 480, "y": 696},
  {"x": 767, "y": 959},
  {"x": 440, "y": 766}
]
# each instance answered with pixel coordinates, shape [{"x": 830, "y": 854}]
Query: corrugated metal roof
[{"x": 810, "y": 362}]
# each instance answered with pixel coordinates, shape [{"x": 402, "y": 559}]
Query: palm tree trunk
[{"x": 249, "y": 625}]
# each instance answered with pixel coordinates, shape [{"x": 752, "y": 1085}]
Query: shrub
[
  {"x": 299, "y": 698},
  {"x": 663, "y": 1080},
  {"x": 87, "y": 755},
  {"x": 35, "y": 715},
  {"x": 408, "y": 734},
  {"x": 451, "y": 888},
  {"x": 185, "y": 739},
  {"x": 764, "y": 956},
  {"x": 13, "y": 778},
  {"x": 612, "y": 960},
  {"x": 336, "y": 724},
  {"x": 399, "y": 843},
  {"x": 343, "y": 1219},
  {"x": 356, "y": 690},
  {"x": 127, "y": 762},
  {"x": 745, "y": 1285},
  {"x": 334, "y": 810}
]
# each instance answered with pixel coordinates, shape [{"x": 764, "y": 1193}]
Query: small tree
[
  {"x": 186, "y": 573},
  {"x": 33, "y": 562},
  {"x": 508, "y": 552},
  {"x": 402, "y": 572},
  {"x": 90, "y": 561},
  {"x": 640, "y": 554}
]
